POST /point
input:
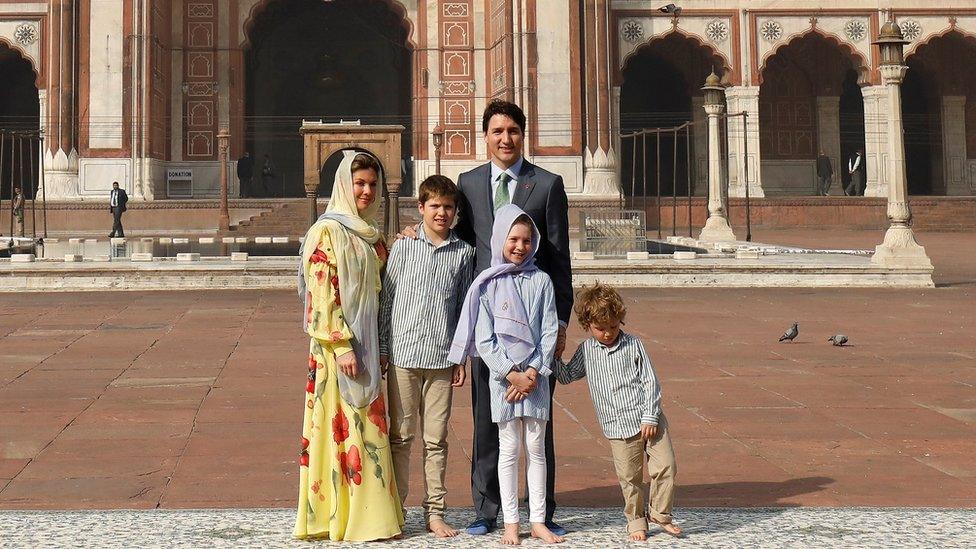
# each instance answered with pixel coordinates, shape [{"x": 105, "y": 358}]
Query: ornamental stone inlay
[
  {"x": 771, "y": 31},
  {"x": 25, "y": 34},
  {"x": 855, "y": 30},
  {"x": 911, "y": 30},
  {"x": 632, "y": 31},
  {"x": 717, "y": 31}
]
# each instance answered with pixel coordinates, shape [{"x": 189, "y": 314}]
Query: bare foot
[
  {"x": 639, "y": 535},
  {"x": 441, "y": 529},
  {"x": 511, "y": 535},
  {"x": 670, "y": 528},
  {"x": 540, "y": 531}
]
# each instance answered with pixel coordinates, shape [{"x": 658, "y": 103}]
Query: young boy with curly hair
[{"x": 627, "y": 399}]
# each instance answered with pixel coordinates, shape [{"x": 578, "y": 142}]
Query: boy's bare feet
[
  {"x": 540, "y": 531},
  {"x": 670, "y": 528},
  {"x": 639, "y": 535},
  {"x": 441, "y": 529},
  {"x": 511, "y": 535}
]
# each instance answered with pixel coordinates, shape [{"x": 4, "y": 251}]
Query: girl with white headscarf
[{"x": 347, "y": 485}]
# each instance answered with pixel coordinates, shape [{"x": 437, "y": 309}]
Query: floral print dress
[{"x": 347, "y": 487}]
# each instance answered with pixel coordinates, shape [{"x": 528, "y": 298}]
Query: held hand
[
  {"x": 347, "y": 364},
  {"x": 410, "y": 231},
  {"x": 384, "y": 364},
  {"x": 457, "y": 376},
  {"x": 513, "y": 395},
  {"x": 522, "y": 382},
  {"x": 648, "y": 431},
  {"x": 560, "y": 342}
]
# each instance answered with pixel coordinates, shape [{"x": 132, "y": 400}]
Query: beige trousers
[
  {"x": 628, "y": 460},
  {"x": 421, "y": 399}
]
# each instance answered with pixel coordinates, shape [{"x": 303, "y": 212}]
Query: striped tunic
[
  {"x": 623, "y": 385},
  {"x": 535, "y": 289},
  {"x": 423, "y": 291}
]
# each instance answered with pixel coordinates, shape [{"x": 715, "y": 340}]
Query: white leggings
[{"x": 509, "y": 448}]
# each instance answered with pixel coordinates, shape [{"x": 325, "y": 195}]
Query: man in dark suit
[
  {"x": 855, "y": 168},
  {"x": 509, "y": 178},
  {"x": 825, "y": 171},
  {"x": 116, "y": 205},
  {"x": 245, "y": 171}
]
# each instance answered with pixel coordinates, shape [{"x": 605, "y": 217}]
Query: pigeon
[
  {"x": 670, "y": 8},
  {"x": 839, "y": 340},
  {"x": 791, "y": 333}
]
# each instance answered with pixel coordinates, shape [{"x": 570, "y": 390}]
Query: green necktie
[{"x": 501, "y": 193}]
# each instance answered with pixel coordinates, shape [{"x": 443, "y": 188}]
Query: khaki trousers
[
  {"x": 421, "y": 398},
  {"x": 628, "y": 460}
]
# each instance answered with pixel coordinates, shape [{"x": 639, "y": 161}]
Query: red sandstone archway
[
  {"x": 939, "y": 113},
  {"x": 792, "y": 80},
  {"x": 19, "y": 112}
]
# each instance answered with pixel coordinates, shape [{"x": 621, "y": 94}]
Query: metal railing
[{"x": 649, "y": 146}]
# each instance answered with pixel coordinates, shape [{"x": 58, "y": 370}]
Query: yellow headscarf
[{"x": 353, "y": 235}]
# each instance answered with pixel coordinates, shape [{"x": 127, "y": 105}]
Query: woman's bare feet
[
  {"x": 441, "y": 529},
  {"x": 639, "y": 535},
  {"x": 540, "y": 531},
  {"x": 670, "y": 528},
  {"x": 511, "y": 534}
]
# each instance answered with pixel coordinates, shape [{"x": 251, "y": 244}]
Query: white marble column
[
  {"x": 876, "y": 112},
  {"x": 899, "y": 249},
  {"x": 744, "y": 99},
  {"x": 954, "y": 145},
  {"x": 699, "y": 146},
  {"x": 828, "y": 139},
  {"x": 717, "y": 227},
  {"x": 600, "y": 177}
]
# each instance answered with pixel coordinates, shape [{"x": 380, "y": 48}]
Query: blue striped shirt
[
  {"x": 622, "y": 382},
  {"x": 423, "y": 290},
  {"x": 535, "y": 289}
]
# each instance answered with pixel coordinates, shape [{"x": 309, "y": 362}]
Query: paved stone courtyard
[
  {"x": 190, "y": 400},
  {"x": 260, "y": 528}
]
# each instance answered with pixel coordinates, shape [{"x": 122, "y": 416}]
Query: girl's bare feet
[
  {"x": 540, "y": 531},
  {"x": 639, "y": 535},
  {"x": 670, "y": 528},
  {"x": 511, "y": 535},
  {"x": 441, "y": 529}
]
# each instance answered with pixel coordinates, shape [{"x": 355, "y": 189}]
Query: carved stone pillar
[
  {"x": 599, "y": 157},
  {"x": 828, "y": 138},
  {"x": 954, "y": 145},
  {"x": 875, "y": 141},
  {"x": 744, "y": 99},
  {"x": 717, "y": 227},
  {"x": 61, "y": 135}
]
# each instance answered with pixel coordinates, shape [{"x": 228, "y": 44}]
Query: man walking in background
[
  {"x": 825, "y": 171},
  {"x": 116, "y": 205},
  {"x": 855, "y": 167},
  {"x": 245, "y": 170}
]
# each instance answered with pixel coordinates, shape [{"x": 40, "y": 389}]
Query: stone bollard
[
  {"x": 73, "y": 258},
  {"x": 141, "y": 256},
  {"x": 193, "y": 256},
  {"x": 22, "y": 258},
  {"x": 238, "y": 256}
]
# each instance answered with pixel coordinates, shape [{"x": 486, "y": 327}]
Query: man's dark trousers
[
  {"x": 484, "y": 458},
  {"x": 117, "y": 229}
]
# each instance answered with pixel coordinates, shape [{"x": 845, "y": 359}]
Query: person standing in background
[
  {"x": 825, "y": 171},
  {"x": 116, "y": 204},
  {"x": 245, "y": 171}
]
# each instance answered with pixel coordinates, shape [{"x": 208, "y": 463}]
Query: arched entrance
[
  {"x": 809, "y": 101},
  {"x": 939, "y": 112},
  {"x": 310, "y": 59},
  {"x": 19, "y": 112},
  {"x": 661, "y": 88}
]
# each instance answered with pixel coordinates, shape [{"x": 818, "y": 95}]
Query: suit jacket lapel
[{"x": 526, "y": 182}]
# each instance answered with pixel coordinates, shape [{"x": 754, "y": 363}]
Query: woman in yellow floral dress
[{"x": 347, "y": 487}]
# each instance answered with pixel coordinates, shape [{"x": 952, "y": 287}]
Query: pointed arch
[{"x": 858, "y": 61}]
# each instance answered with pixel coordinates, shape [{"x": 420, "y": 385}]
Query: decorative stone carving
[
  {"x": 771, "y": 31},
  {"x": 717, "y": 31},
  {"x": 26, "y": 34},
  {"x": 911, "y": 30},
  {"x": 855, "y": 30},
  {"x": 632, "y": 31}
]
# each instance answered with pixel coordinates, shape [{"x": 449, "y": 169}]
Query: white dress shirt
[{"x": 512, "y": 171}]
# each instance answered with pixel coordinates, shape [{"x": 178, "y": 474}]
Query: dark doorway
[
  {"x": 19, "y": 112},
  {"x": 851, "y": 123},
  {"x": 345, "y": 59},
  {"x": 934, "y": 73},
  {"x": 659, "y": 82}
]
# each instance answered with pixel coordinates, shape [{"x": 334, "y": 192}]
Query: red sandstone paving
[{"x": 192, "y": 399}]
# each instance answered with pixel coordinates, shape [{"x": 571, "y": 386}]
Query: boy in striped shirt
[
  {"x": 627, "y": 399},
  {"x": 423, "y": 290}
]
